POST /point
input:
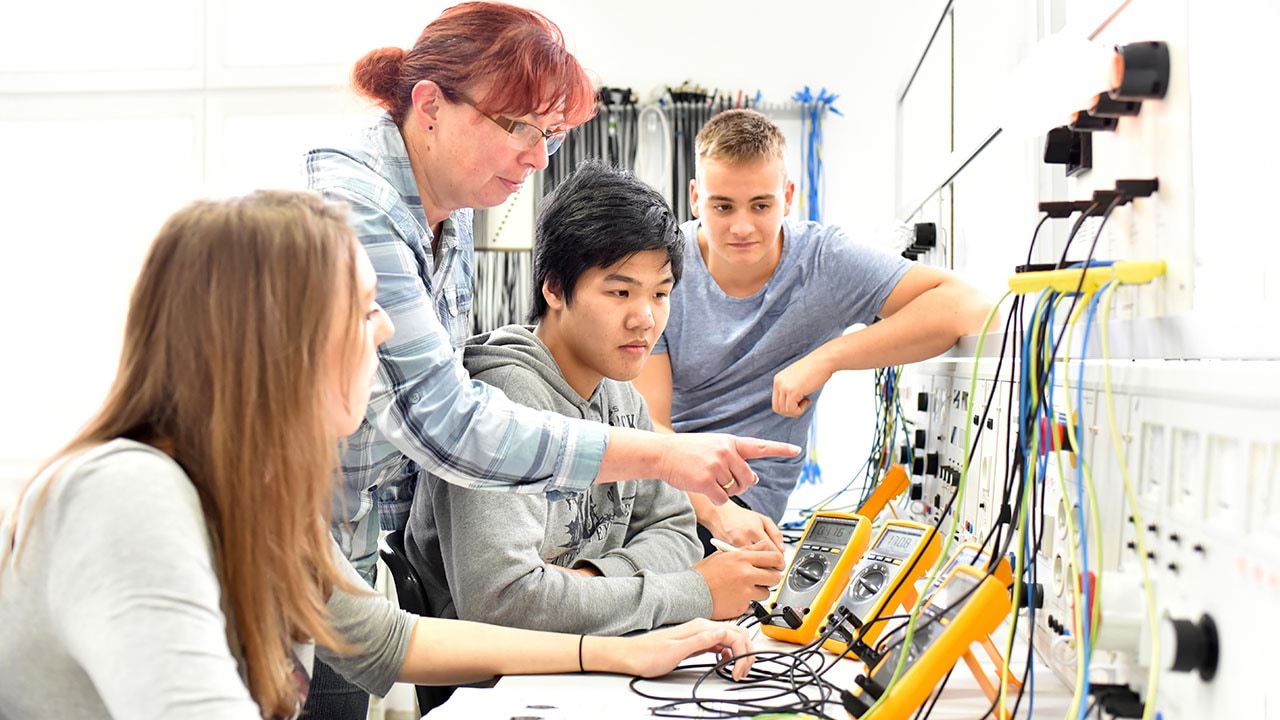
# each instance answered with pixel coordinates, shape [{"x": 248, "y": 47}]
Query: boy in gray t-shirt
[{"x": 755, "y": 328}]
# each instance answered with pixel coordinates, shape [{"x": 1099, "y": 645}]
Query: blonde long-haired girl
[{"x": 174, "y": 559}]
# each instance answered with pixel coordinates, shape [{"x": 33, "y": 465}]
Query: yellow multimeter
[
  {"x": 969, "y": 606},
  {"x": 973, "y": 554},
  {"x": 877, "y": 586},
  {"x": 832, "y": 543},
  {"x": 894, "y": 483}
]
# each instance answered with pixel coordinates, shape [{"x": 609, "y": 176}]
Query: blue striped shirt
[{"x": 425, "y": 412}]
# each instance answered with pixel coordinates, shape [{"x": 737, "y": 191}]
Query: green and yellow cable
[{"x": 1153, "y": 674}]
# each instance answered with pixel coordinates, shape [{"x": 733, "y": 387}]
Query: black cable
[
  {"x": 1062, "y": 261},
  {"x": 750, "y": 707},
  {"x": 1012, "y": 456},
  {"x": 1016, "y": 463},
  {"x": 1031, "y": 249},
  {"x": 1016, "y": 471},
  {"x": 1040, "y": 368},
  {"x": 942, "y": 515},
  {"x": 1012, "y": 527},
  {"x": 946, "y": 510},
  {"x": 1042, "y": 373},
  {"x": 1010, "y": 328},
  {"x": 798, "y": 672},
  {"x": 937, "y": 696},
  {"x": 1084, "y": 267},
  {"x": 996, "y": 556},
  {"x": 802, "y": 656}
]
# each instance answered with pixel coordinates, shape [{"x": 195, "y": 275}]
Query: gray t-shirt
[
  {"x": 114, "y": 607},
  {"x": 724, "y": 351}
]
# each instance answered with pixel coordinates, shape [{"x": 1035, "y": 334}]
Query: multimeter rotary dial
[
  {"x": 808, "y": 573},
  {"x": 869, "y": 582}
]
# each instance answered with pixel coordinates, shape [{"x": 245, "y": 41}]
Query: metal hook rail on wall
[{"x": 618, "y": 134}]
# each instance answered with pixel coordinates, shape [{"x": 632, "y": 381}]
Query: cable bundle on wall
[
  {"x": 612, "y": 135},
  {"x": 503, "y": 289},
  {"x": 813, "y": 111},
  {"x": 656, "y": 140},
  {"x": 688, "y": 111}
]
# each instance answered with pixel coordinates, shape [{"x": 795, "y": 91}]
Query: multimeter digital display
[
  {"x": 899, "y": 543},
  {"x": 975, "y": 555},
  {"x": 831, "y": 532},
  {"x": 831, "y": 544}
]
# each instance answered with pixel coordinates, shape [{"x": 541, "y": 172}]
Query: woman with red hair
[{"x": 473, "y": 109}]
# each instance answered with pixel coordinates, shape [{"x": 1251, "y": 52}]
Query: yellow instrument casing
[
  {"x": 975, "y": 555},
  {"x": 968, "y": 607},
  {"x": 894, "y": 483},
  {"x": 831, "y": 545},
  {"x": 876, "y": 588}
]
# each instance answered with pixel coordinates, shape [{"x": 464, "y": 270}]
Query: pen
[{"x": 719, "y": 544}]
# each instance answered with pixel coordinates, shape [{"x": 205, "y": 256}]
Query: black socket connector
[
  {"x": 1084, "y": 122},
  {"x": 926, "y": 237},
  {"x": 1106, "y": 106},
  {"x": 1059, "y": 209},
  {"x": 1102, "y": 200},
  {"x": 1138, "y": 188}
]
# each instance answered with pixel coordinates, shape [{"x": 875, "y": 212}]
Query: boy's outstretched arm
[{"x": 925, "y": 314}]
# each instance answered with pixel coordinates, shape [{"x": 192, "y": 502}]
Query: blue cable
[
  {"x": 812, "y": 108},
  {"x": 811, "y": 114},
  {"x": 1042, "y": 472},
  {"x": 1033, "y": 469},
  {"x": 811, "y": 472},
  {"x": 1084, "y": 536}
]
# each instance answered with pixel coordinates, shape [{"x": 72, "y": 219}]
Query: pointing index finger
[{"x": 751, "y": 448}]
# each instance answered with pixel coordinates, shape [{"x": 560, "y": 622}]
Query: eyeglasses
[{"x": 522, "y": 135}]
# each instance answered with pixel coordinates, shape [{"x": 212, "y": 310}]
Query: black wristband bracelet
[{"x": 581, "y": 638}]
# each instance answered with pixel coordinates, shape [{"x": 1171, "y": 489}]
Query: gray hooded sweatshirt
[{"x": 488, "y": 556}]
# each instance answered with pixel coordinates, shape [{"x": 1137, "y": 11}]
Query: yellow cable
[
  {"x": 1153, "y": 674},
  {"x": 1077, "y": 594}
]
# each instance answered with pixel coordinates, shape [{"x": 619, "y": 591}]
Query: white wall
[
  {"x": 113, "y": 115},
  {"x": 777, "y": 48}
]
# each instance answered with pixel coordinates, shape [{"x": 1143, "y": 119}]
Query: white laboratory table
[{"x": 578, "y": 696}]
